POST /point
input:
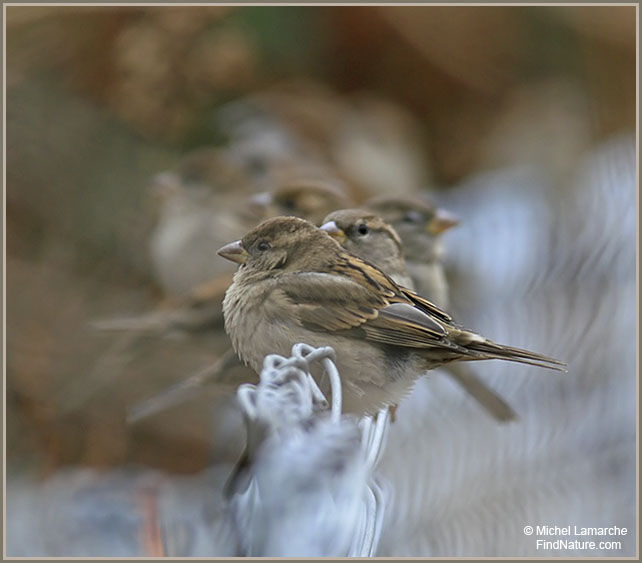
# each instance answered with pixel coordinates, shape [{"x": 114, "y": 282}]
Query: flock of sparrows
[
  {"x": 347, "y": 284},
  {"x": 297, "y": 283},
  {"x": 319, "y": 263}
]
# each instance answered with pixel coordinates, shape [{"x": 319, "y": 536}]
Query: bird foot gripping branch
[{"x": 311, "y": 488}]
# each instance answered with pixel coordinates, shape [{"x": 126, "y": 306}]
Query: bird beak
[
  {"x": 233, "y": 251},
  {"x": 335, "y": 232},
  {"x": 442, "y": 221},
  {"x": 259, "y": 203}
]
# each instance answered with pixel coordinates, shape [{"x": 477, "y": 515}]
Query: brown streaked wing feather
[
  {"x": 425, "y": 305},
  {"x": 328, "y": 302},
  {"x": 366, "y": 275},
  {"x": 353, "y": 298},
  {"x": 409, "y": 327},
  {"x": 398, "y": 334}
]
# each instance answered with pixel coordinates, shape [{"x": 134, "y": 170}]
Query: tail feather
[
  {"x": 493, "y": 351},
  {"x": 494, "y": 405}
]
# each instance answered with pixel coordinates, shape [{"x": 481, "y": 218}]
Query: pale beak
[
  {"x": 334, "y": 231},
  {"x": 442, "y": 221},
  {"x": 234, "y": 251}
]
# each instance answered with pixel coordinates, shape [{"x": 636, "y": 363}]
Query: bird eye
[
  {"x": 263, "y": 246},
  {"x": 362, "y": 229},
  {"x": 411, "y": 217}
]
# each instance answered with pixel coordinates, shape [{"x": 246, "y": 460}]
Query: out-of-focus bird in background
[
  {"x": 374, "y": 240},
  {"x": 369, "y": 237},
  {"x": 368, "y": 141},
  {"x": 420, "y": 224},
  {"x": 193, "y": 221},
  {"x": 308, "y": 199},
  {"x": 200, "y": 308},
  {"x": 198, "y": 204}
]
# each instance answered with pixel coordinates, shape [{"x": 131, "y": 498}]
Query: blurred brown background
[{"x": 100, "y": 99}]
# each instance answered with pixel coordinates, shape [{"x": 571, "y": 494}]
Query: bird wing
[
  {"x": 357, "y": 300},
  {"x": 425, "y": 305},
  {"x": 361, "y": 299},
  {"x": 327, "y": 302},
  {"x": 402, "y": 324}
]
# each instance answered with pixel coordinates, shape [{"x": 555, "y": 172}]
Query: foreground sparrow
[
  {"x": 297, "y": 284},
  {"x": 369, "y": 237},
  {"x": 419, "y": 225},
  {"x": 199, "y": 309}
]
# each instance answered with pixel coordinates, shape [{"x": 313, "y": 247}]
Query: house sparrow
[
  {"x": 194, "y": 221},
  {"x": 199, "y": 309},
  {"x": 201, "y": 204},
  {"x": 295, "y": 284},
  {"x": 370, "y": 141},
  {"x": 311, "y": 199},
  {"x": 419, "y": 224},
  {"x": 369, "y": 237}
]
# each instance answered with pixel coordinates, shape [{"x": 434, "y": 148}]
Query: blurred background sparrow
[
  {"x": 192, "y": 221},
  {"x": 532, "y": 148},
  {"x": 420, "y": 225},
  {"x": 369, "y": 237},
  {"x": 364, "y": 139},
  {"x": 199, "y": 204},
  {"x": 311, "y": 200},
  {"x": 211, "y": 198},
  {"x": 200, "y": 308}
]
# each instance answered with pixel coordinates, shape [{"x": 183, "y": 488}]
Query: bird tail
[
  {"x": 493, "y": 351},
  {"x": 494, "y": 405}
]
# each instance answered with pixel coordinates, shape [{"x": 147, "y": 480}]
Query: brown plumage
[
  {"x": 420, "y": 225},
  {"x": 309, "y": 198},
  {"x": 368, "y": 236},
  {"x": 297, "y": 284}
]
